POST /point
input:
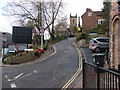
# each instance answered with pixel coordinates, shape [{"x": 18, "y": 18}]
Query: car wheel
[{"x": 97, "y": 50}]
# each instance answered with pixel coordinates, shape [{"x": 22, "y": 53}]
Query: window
[
  {"x": 89, "y": 13},
  {"x": 103, "y": 40},
  {"x": 100, "y": 21},
  {"x": 95, "y": 41}
]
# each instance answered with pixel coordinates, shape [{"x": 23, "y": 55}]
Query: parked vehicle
[{"x": 99, "y": 44}]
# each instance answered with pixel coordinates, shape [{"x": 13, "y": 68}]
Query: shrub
[
  {"x": 45, "y": 47},
  {"x": 19, "y": 54},
  {"x": 80, "y": 36},
  {"x": 37, "y": 53}
]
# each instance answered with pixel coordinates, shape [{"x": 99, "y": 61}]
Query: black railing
[{"x": 99, "y": 78}]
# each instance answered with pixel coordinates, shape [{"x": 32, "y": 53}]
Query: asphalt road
[{"x": 53, "y": 72}]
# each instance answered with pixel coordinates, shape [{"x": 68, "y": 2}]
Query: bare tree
[
  {"x": 51, "y": 11},
  {"x": 29, "y": 13}
]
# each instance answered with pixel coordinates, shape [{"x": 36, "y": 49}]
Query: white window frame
[
  {"x": 89, "y": 13},
  {"x": 100, "y": 20}
]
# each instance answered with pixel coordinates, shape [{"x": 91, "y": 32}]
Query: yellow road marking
[
  {"x": 50, "y": 54},
  {"x": 77, "y": 73}
]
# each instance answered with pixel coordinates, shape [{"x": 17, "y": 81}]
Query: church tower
[{"x": 73, "y": 23}]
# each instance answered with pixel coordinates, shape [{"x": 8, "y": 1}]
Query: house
[
  {"x": 8, "y": 38},
  {"x": 91, "y": 19},
  {"x": 60, "y": 29},
  {"x": 73, "y": 23},
  {"x": 114, "y": 36}
]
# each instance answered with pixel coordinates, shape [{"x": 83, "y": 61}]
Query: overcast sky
[{"x": 71, "y": 6}]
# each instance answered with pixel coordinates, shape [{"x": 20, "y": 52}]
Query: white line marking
[
  {"x": 18, "y": 75},
  {"x": 35, "y": 71},
  {"x": 9, "y": 80},
  {"x": 13, "y": 85},
  {"x": 28, "y": 75}
]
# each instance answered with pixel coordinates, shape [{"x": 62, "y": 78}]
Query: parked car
[{"x": 99, "y": 44}]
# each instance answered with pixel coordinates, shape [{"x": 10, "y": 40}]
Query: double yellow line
[
  {"x": 50, "y": 54},
  {"x": 77, "y": 73}
]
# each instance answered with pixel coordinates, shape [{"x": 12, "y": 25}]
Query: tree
[
  {"x": 105, "y": 26},
  {"x": 50, "y": 14},
  {"x": 30, "y": 13}
]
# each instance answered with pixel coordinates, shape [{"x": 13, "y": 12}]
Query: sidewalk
[{"x": 79, "y": 84}]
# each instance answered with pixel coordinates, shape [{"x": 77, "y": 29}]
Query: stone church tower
[{"x": 73, "y": 23}]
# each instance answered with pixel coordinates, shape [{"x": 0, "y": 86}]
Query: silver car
[{"x": 99, "y": 44}]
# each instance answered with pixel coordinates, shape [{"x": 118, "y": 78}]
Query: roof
[{"x": 98, "y": 13}]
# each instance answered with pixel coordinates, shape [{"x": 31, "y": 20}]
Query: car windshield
[{"x": 103, "y": 40}]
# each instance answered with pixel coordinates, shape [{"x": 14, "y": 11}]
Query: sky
[{"x": 71, "y": 6}]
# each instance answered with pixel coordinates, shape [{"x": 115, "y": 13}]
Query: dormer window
[{"x": 89, "y": 13}]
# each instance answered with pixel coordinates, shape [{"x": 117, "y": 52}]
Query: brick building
[
  {"x": 90, "y": 19},
  {"x": 114, "y": 36},
  {"x": 73, "y": 23}
]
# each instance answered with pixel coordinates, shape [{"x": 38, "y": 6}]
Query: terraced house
[{"x": 115, "y": 35}]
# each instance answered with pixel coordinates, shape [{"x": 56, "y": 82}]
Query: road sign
[
  {"x": 4, "y": 39},
  {"x": 42, "y": 30},
  {"x": 78, "y": 28}
]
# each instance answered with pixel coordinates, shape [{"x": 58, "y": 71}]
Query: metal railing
[{"x": 100, "y": 78}]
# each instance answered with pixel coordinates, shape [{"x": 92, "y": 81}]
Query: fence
[{"x": 99, "y": 78}]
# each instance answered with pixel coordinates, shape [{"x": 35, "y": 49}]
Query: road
[
  {"x": 87, "y": 54},
  {"x": 53, "y": 72}
]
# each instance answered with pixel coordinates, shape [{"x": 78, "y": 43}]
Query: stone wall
[
  {"x": 83, "y": 43},
  {"x": 115, "y": 36}
]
